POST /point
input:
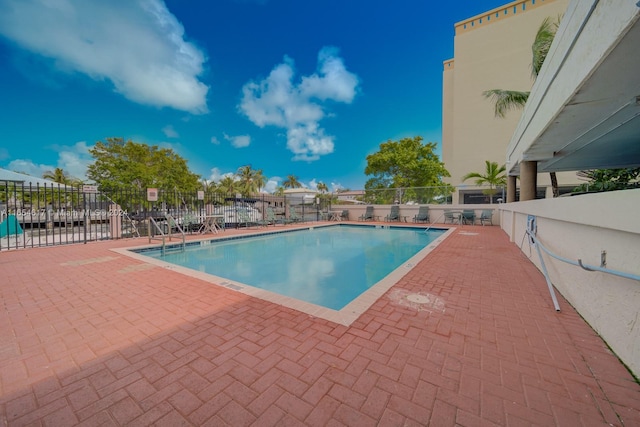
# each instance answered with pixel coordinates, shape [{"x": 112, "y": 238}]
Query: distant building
[
  {"x": 300, "y": 196},
  {"x": 24, "y": 179},
  {"x": 351, "y": 196},
  {"x": 492, "y": 50}
]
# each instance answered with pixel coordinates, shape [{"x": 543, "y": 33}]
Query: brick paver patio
[{"x": 91, "y": 337}]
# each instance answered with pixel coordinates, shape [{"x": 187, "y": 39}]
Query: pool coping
[{"x": 345, "y": 316}]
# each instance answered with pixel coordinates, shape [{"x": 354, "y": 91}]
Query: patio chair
[
  {"x": 468, "y": 216},
  {"x": 344, "y": 216},
  {"x": 394, "y": 214},
  {"x": 450, "y": 216},
  {"x": 422, "y": 215},
  {"x": 367, "y": 215},
  {"x": 486, "y": 216}
]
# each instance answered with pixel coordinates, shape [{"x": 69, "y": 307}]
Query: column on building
[
  {"x": 511, "y": 188},
  {"x": 528, "y": 180}
]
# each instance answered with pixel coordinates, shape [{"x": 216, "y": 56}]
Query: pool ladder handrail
[
  {"x": 171, "y": 222},
  {"x": 433, "y": 222}
]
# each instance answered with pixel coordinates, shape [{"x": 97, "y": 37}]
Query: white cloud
[
  {"x": 138, "y": 45},
  {"x": 170, "y": 132},
  {"x": 215, "y": 141},
  {"x": 74, "y": 160},
  {"x": 279, "y": 101},
  {"x": 334, "y": 81},
  {"x": 271, "y": 185},
  {"x": 4, "y": 153},
  {"x": 335, "y": 186},
  {"x": 28, "y": 167},
  {"x": 239, "y": 141},
  {"x": 216, "y": 174}
]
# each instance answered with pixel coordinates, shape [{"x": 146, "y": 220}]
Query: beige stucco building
[{"x": 491, "y": 51}]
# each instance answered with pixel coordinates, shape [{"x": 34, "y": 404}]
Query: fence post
[
  {"x": 84, "y": 211},
  {"x": 115, "y": 221}
]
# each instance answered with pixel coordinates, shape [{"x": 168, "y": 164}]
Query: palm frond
[
  {"x": 505, "y": 100},
  {"x": 542, "y": 43}
]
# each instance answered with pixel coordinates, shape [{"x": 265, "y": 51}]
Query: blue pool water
[{"x": 327, "y": 266}]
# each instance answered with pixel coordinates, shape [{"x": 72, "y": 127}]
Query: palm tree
[
  {"x": 250, "y": 180},
  {"x": 228, "y": 185},
  {"x": 59, "y": 196},
  {"x": 322, "y": 187},
  {"x": 505, "y": 100},
  {"x": 61, "y": 177},
  {"x": 493, "y": 176},
  {"x": 209, "y": 187},
  {"x": 291, "y": 182}
]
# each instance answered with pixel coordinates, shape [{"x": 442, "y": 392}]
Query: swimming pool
[{"x": 328, "y": 267}]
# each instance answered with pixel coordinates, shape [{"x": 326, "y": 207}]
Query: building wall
[
  {"x": 491, "y": 51},
  {"x": 580, "y": 228},
  {"x": 408, "y": 212}
]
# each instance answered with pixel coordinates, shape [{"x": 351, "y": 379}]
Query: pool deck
[{"x": 468, "y": 337}]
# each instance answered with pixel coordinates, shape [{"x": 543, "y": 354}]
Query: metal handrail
[
  {"x": 436, "y": 221},
  {"x": 170, "y": 223},
  {"x": 580, "y": 264},
  {"x": 157, "y": 227}
]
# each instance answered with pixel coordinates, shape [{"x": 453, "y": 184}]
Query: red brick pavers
[{"x": 90, "y": 337}]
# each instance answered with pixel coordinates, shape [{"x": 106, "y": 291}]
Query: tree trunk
[{"x": 554, "y": 184}]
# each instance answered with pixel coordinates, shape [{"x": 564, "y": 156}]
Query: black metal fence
[{"x": 47, "y": 215}]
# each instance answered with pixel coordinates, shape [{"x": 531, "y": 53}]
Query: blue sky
[{"x": 305, "y": 88}]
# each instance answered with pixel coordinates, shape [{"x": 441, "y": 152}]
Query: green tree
[
  {"x": 505, "y": 100},
  {"x": 228, "y": 185},
  {"x": 493, "y": 176},
  {"x": 291, "y": 182},
  {"x": 405, "y": 163},
  {"x": 322, "y": 187},
  {"x": 125, "y": 165},
  {"x": 61, "y": 177},
  {"x": 60, "y": 197},
  {"x": 250, "y": 181},
  {"x": 609, "y": 179}
]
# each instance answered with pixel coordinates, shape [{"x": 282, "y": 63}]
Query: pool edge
[{"x": 345, "y": 316}]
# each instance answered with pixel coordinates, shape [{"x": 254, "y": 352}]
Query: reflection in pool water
[{"x": 327, "y": 266}]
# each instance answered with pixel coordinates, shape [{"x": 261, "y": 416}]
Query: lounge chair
[
  {"x": 486, "y": 216},
  {"x": 245, "y": 219},
  {"x": 394, "y": 214},
  {"x": 270, "y": 218},
  {"x": 294, "y": 217},
  {"x": 367, "y": 215},
  {"x": 468, "y": 216},
  {"x": 191, "y": 223},
  {"x": 344, "y": 216},
  {"x": 422, "y": 215},
  {"x": 265, "y": 221}
]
